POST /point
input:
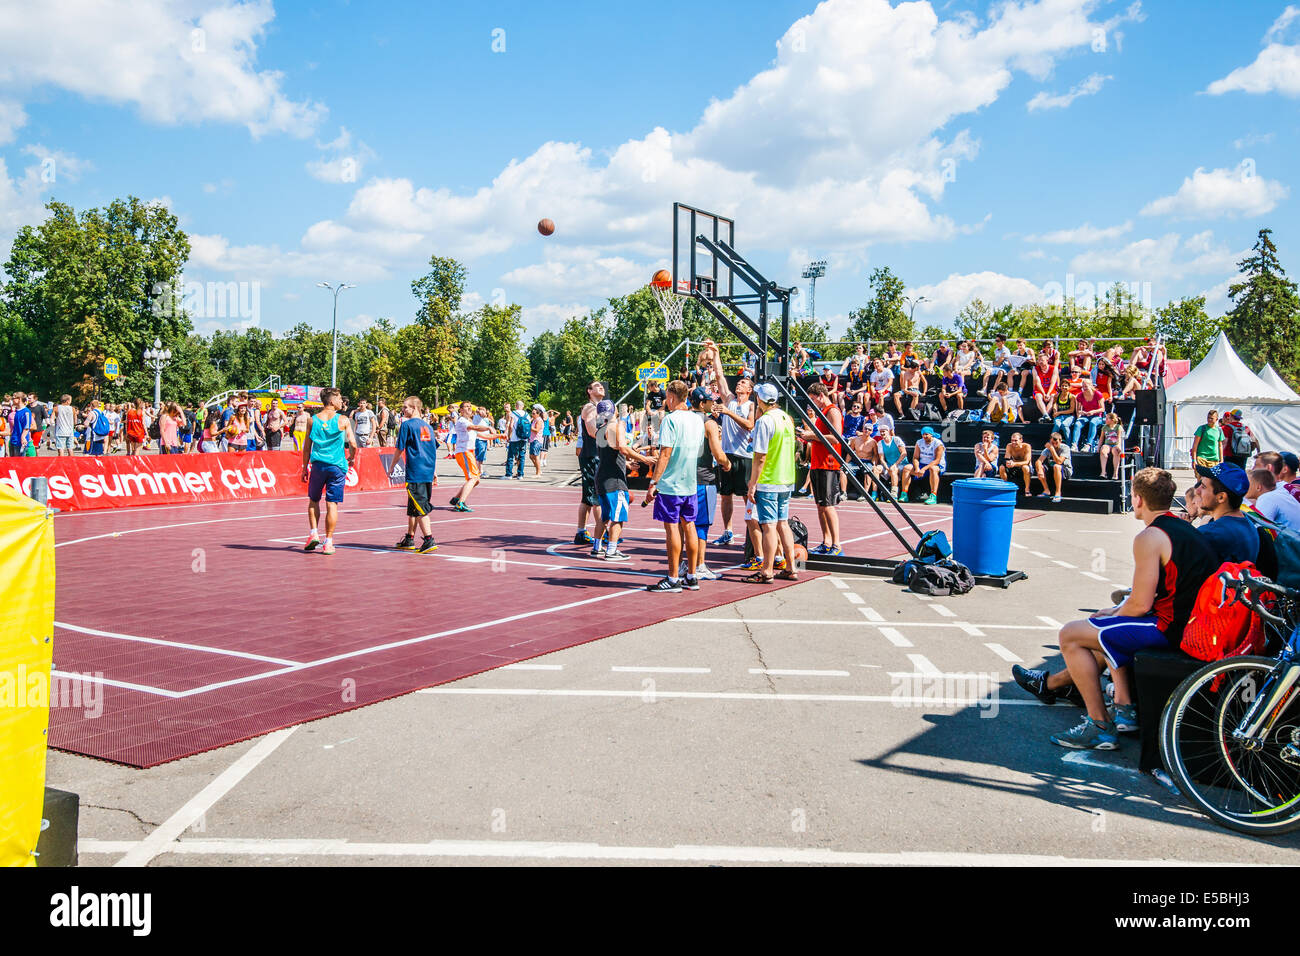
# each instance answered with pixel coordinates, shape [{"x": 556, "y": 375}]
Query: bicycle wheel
[{"x": 1250, "y": 791}]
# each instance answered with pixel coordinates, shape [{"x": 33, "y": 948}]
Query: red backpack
[{"x": 1217, "y": 630}]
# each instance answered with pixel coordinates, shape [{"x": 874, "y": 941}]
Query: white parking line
[
  {"x": 839, "y": 583},
  {"x": 1020, "y": 546},
  {"x": 796, "y": 673},
  {"x": 854, "y": 598},
  {"x": 1066, "y": 564},
  {"x": 895, "y": 638},
  {"x": 660, "y": 670},
  {"x": 943, "y": 611},
  {"x": 1005, "y": 654},
  {"x": 1039, "y": 554},
  {"x": 923, "y": 665},
  {"x": 1095, "y": 577},
  {"x": 1050, "y": 621},
  {"x": 871, "y": 614}
]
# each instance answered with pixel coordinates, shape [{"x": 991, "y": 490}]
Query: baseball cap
[
  {"x": 700, "y": 395},
  {"x": 1229, "y": 475},
  {"x": 766, "y": 393},
  {"x": 603, "y": 407},
  {"x": 1235, "y": 413}
]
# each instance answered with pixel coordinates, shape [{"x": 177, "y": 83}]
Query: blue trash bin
[{"x": 983, "y": 510}]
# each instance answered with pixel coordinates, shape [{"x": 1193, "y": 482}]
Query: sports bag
[
  {"x": 1241, "y": 444},
  {"x": 523, "y": 427},
  {"x": 102, "y": 427},
  {"x": 1217, "y": 629},
  {"x": 941, "y": 579}
]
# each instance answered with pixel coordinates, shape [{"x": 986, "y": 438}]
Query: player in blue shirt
[{"x": 417, "y": 441}]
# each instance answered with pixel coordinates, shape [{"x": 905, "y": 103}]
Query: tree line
[{"x": 81, "y": 288}]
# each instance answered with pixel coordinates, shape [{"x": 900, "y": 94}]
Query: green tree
[
  {"x": 1265, "y": 316},
  {"x": 1187, "y": 331},
  {"x": 497, "y": 356},
  {"x": 437, "y": 366},
  {"x": 544, "y": 361},
  {"x": 883, "y": 317},
  {"x": 975, "y": 320}
]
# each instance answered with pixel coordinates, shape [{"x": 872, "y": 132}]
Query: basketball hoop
[{"x": 670, "y": 303}]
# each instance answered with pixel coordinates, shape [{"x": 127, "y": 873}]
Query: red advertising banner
[{"x": 123, "y": 481}]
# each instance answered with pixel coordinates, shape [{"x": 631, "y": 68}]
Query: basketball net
[{"x": 670, "y": 303}]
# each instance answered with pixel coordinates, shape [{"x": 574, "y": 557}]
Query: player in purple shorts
[{"x": 674, "y": 486}]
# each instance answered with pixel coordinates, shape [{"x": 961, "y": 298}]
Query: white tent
[
  {"x": 1222, "y": 381},
  {"x": 1269, "y": 374}
]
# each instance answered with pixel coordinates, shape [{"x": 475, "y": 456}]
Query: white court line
[
  {"x": 1066, "y": 564},
  {"x": 642, "y": 695},
  {"x": 1050, "y": 621},
  {"x": 1020, "y": 546},
  {"x": 679, "y": 853},
  {"x": 972, "y": 629},
  {"x": 839, "y": 583},
  {"x": 923, "y": 665},
  {"x": 1005, "y": 654},
  {"x": 895, "y": 638},
  {"x": 125, "y": 685},
  {"x": 796, "y": 673},
  {"x": 1095, "y": 577},
  {"x": 1083, "y": 758},
  {"x": 854, "y": 598},
  {"x": 532, "y": 667},
  {"x": 188, "y": 647},
  {"x": 872, "y": 621},
  {"x": 943, "y": 611},
  {"x": 660, "y": 670},
  {"x": 200, "y": 803},
  {"x": 871, "y": 614},
  {"x": 1039, "y": 554}
]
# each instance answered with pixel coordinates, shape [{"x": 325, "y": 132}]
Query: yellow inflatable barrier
[{"x": 26, "y": 648}]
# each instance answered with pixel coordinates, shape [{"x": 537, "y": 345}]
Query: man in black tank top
[
  {"x": 587, "y": 463},
  {"x": 612, "y": 452},
  {"x": 1171, "y": 561}
]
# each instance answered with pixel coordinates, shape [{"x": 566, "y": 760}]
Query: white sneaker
[{"x": 704, "y": 574}]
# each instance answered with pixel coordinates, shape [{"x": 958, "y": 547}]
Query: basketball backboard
[{"x": 692, "y": 261}]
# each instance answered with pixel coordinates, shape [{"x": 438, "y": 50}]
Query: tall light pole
[
  {"x": 913, "y": 301},
  {"x": 158, "y": 357},
  {"x": 334, "y": 347},
  {"x": 812, "y": 272}
]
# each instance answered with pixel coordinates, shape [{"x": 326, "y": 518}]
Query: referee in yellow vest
[{"x": 771, "y": 483}]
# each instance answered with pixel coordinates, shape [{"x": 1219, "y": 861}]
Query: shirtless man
[{"x": 1018, "y": 458}]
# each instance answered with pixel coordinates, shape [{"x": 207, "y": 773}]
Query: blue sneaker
[
  {"x": 1088, "y": 735},
  {"x": 723, "y": 540},
  {"x": 834, "y": 552},
  {"x": 820, "y": 549}
]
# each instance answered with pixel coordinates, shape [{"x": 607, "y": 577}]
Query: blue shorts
[
  {"x": 187, "y": 437},
  {"x": 613, "y": 507},
  {"x": 706, "y": 501},
  {"x": 772, "y": 506},
  {"x": 63, "y": 442},
  {"x": 328, "y": 478},
  {"x": 480, "y": 450},
  {"x": 1122, "y": 637},
  {"x": 670, "y": 509},
  {"x": 252, "y": 446},
  {"x": 535, "y": 447}
]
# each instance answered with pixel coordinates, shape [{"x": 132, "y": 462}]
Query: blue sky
[{"x": 1001, "y": 150}]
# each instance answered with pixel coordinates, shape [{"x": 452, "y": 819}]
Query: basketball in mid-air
[
  {"x": 662, "y": 277},
  {"x": 546, "y": 227}
]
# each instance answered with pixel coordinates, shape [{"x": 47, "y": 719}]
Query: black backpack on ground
[
  {"x": 942, "y": 579},
  {"x": 799, "y": 530}
]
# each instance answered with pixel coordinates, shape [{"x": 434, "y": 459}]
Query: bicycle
[{"x": 1230, "y": 734}]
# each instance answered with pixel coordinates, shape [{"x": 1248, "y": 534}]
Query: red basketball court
[{"x": 204, "y": 625}]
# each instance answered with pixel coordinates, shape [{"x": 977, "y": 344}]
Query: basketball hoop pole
[{"x": 686, "y": 342}]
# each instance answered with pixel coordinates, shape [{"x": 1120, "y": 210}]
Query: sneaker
[
  {"x": 312, "y": 542},
  {"x": 902, "y": 497},
  {"x": 724, "y": 539},
  {"x": 1088, "y": 735},
  {"x": 820, "y": 549},
  {"x": 1074, "y": 446},
  {"x": 1034, "y": 681},
  {"x": 617, "y": 556},
  {"x": 691, "y": 583},
  {"x": 930, "y": 500},
  {"x": 1071, "y": 695},
  {"x": 427, "y": 545},
  {"x": 454, "y": 502},
  {"x": 1125, "y": 718},
  {"x": 328, "y": 549},
  {"x": 461, "y": 506},
  {"x": 779, "y": 563},
  {"x": 582, "y": 537},
  {"x": 407, "y": 542},
  {"x": 753, "y": 564},
  {"x": 704, "y": 573},
  {"x": 834, "y": 552},
  {"x": 596, "y": 553},
  {"x": 665, "y": 586}
]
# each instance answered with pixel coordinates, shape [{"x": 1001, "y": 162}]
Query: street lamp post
[
  {"x": 158, "y": 357},
  {"x": 334, "y": 337},
  {"x": 913, "y": 302}
]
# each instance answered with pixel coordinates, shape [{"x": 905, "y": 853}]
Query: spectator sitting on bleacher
[
  {"x": 910, "y": 384},
  {"x": 1049, "y": 352},
  {"x": 1065, "y": 409},
  {"x": 1112, "y": 443},
  {"x": 831, "y": 382},
  {"x": 1283, "y": 465},
  {"x": 928, "y": 458},
  {"x": 952, "y": 389},
  {"x": 893, "y": 358},
  {"x": 859, "y": 356},
  {"x": 1056, "y": 455},
  {"x": 867, "y": 449},
  {"x": 1027, "y": 358},
  {"x": 891, "y": 456},
  {"x": 1171, "y": 561},
  {"x": 857, "y": 387},
  {"x": 1002, "y": 365},
  {"x": 1271, "y": 501},
  {"x": 986, "y": 454},
  {"x": 1092, "y": 412},
  {"x": 1003, "y": 405},
  {"x": 881, "y": 386},
  {"x": 1081, "y": 358},
  {"x": 942, "y": 353},
  {"x": 1046, "y": 384},
  {"x": 1019, "y": 457},
  {"x": 879, "y": 420},
  {"x": 854, "y": 420}
]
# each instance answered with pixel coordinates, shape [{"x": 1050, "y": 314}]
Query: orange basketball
[
  {"x": 801, "y": 554},
  {"x": 662, "y": 277},
  {"x": 546, "y": 227}
]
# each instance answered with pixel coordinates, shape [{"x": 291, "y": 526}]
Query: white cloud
[
  {"x": 946, "y": 298},
  {"x": 1253, "y": 139},
  {"x": 1275, "y": 70},
  {"x": 1050, "y": 101},
  {"x": 342, "y": 162},
  {"x": 12, "y": 119},
  {"x": 549, "y": 316},
  {"x": 185, "y": 62},
  {"x": 22, "y": 199},
  {"x": 1169, "y": 257},
  {"x": 1216, "y": 298},
  {"x": 1083, "y": 234},
  {"x": 581, "y": 271},
  {"x": 1220, "y": 192}
]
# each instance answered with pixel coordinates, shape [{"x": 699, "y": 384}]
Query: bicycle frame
[{"x": 1257, "y": 724}]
